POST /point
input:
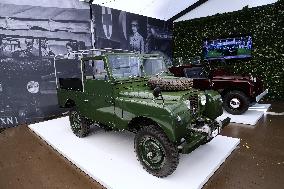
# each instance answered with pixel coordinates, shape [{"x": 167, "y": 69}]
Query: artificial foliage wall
[{"x": 265, "y": 24}]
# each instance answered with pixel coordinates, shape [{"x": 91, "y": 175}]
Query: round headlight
[{"x": 203, "y": 100}]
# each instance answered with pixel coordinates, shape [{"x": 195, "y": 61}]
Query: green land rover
[{"x": 113, "y": 91}]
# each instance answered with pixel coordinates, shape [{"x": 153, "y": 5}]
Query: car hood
[{"x": 231, "y": 77}]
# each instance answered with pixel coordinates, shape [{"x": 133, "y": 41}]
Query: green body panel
[
  {"x": 99, "y": 101},
  {"x": 213, "y": 107},
  {"x": 116, "y": 103}
]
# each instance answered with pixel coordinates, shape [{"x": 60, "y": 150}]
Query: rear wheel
[
  {"x": 236, "y": 102},
  {"x": 79, "y": 124},
  {"x": 157, "y": 154}
]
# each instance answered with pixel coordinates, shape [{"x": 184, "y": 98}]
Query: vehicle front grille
[{"x": 193, "y": 103}]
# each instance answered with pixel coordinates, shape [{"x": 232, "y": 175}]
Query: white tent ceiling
[
  {"x": 161, "y": 9},
  {"x": 166, "y": 9},
  {"x": 212, "y": 7}
]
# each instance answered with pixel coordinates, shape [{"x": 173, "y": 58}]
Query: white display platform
[
  {"x": 260, "y": 107},
  {"x": 250, "y": 117},
  {"x": 109, "y": 158}
]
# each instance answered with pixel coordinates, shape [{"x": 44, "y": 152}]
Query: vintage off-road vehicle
[
  {"x": 112, "y": 90},
  {"x": 238, "y": 91}
]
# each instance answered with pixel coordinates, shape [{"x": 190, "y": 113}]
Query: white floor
[
  {"x": 250, "y": 117},
  {"x": 109, "y": 158}
]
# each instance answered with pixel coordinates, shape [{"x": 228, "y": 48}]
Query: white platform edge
[
  {"x": 220, "y": 163},
  {"x": 195, "y": 153},
  {"x": 260, "y": 107},
  {"x": 250, "y": 117},
  {"x": 32, "y": 127}
]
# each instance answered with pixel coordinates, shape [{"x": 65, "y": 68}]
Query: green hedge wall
[{"x": 265, "y": 24}]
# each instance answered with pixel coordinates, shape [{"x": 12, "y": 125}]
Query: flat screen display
[{"x": 236, "y": 47}]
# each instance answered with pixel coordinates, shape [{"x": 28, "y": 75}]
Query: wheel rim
[
  {"x": 235, "y": 103},
  {"x": 76, "y": 122},
  {"x": 151, "y": 152}
]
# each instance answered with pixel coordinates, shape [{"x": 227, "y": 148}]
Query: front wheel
[
  {"x": 79, "y": 124},
  {"x": 157, "y": 154},
  {"x": 236, "y": 102}
]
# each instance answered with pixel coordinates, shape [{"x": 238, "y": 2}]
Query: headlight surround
[
  {"x": 202, "y": 99},
  {"x": 178, "y": 119}
]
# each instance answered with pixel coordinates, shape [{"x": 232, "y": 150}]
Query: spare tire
[{"x": 171, "y": 84}]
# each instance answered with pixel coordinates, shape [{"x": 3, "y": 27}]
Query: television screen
[{"x": 237, "y": 47}]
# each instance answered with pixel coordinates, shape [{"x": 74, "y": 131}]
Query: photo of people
[
  {"x": 71, "y": 48},
  {"x": 131, "y": 32},
  {"x": 28, "y": 52},
  {"x": 136, "y": 41},
  {"x": 45, "y": 48},
  {"x": 28, "y": 46}
]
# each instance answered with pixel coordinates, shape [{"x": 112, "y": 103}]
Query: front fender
[{"x": 133, "y": 108}]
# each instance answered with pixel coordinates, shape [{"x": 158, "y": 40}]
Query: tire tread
[{"x": 170, "y": 148}]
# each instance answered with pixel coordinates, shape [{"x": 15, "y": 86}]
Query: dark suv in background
[{"x": 238, "y": 91}]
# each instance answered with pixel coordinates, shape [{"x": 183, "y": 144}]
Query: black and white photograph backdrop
[
  {"x": 122, "y": 30},
  {"x": 32, "y": 33}
]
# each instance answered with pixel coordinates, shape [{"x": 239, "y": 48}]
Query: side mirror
[{"x": 157, "y": 92}]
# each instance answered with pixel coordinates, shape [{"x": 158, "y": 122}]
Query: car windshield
[
  {"x": 124, "y": 65},
  {"x": 154, "y": 66}
]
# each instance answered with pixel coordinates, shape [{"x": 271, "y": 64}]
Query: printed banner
[
  {"x": 122, "y": 30},
  {"x": 30, "y": 38}
]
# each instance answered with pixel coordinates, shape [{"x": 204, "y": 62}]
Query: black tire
[
  {"x": 164, "y": 155},
  {"x": 80, "y": 126},
  {"x": 171, "y": 84},
  {"x": 236, "y": 102}
]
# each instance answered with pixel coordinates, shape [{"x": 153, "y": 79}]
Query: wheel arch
[
  {"x": 138, "y": 122},
  {"x": 69, "y": 103},
  {"x": 233, "y": 88}
]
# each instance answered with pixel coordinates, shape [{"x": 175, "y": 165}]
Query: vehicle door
[{"x": 98, "y": 91}]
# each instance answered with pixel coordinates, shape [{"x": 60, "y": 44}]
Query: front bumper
[
  {"x": 220, "y": 126},
  {"x": 261, "y": 95},
  {"x": 202, "y": 135}
]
